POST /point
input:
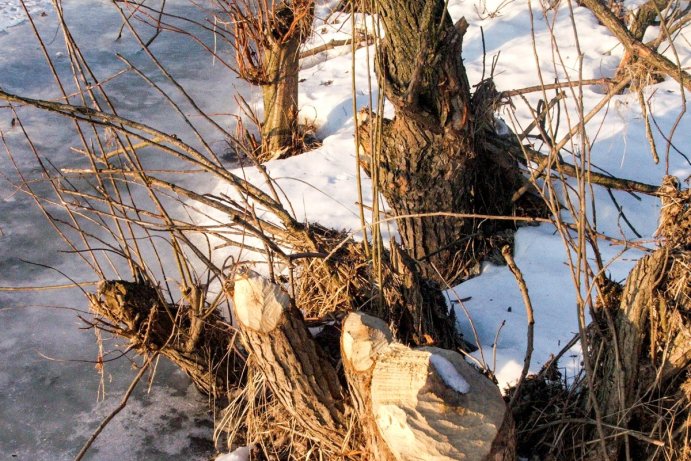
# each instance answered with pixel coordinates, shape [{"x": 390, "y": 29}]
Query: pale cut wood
[
  {"x": 422, "y": 417},
  {"x": 363, "y": 338},
  {"x": 259, "y": 305},
  {"x": 297, "y": 371},
  {"x": 424, "y": 404}
]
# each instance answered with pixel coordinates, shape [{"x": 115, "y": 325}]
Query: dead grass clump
[
  {"x": 548, "y": 416},
  {"x": 255, "y": 419},
  {"x": 675, "y": 215},
  {"x": 346, "y": 280}
]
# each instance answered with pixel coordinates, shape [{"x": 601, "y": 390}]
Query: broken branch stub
[
  {"x": 426, "y": 403},
  {"x": 202, "y": 347},
  {"x": 297, "y": 370}
]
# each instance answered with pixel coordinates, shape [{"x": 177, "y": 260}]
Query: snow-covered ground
[{"x": 48, "y": 385}]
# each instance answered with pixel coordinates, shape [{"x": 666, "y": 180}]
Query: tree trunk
[
  {"x": 280, "y": 94},
  {"x": 291, "y": 24},
  {"x": 429, "y": 158}
]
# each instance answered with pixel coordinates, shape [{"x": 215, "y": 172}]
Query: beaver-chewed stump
[
  {"x": 192, "y": 336},
  {"x": 425, "y": 403},
  {"x": 298, "y": 372}
]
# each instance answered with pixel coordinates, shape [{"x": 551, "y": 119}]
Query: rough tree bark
[
  {"x": 431, "y": 156},
  {"x": 280, "y": 91},
  {"x": 644, "y": 355}
]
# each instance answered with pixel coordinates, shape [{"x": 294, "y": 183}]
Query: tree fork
[
  {"x": 429, "y": 155},
  {"x": 635, "y": 47}
]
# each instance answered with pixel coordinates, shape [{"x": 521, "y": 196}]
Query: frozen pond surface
[{"x": 49, "y": 386}]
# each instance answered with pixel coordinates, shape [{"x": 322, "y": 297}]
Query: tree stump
[
  {"x": 643, "y": 384},
  {"x": 201, "y": 345},
  {"x": 298, "y": 372},
  {"x": 424, "y": 404}
]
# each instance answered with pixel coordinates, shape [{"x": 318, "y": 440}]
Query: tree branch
[
  {"x": 634, "y": 46},
  {"x": 501, "y": 145}
]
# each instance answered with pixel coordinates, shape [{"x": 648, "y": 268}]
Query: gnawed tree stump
[
  {"x": 422, "y": 404},
  {"x": 298, "y": 372},
  {"x": 200, "y": 343},
  {"x": 363, "y": 338}
]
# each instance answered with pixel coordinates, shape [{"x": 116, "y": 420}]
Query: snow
[
  {"x": 49, "y": 406},
  {"x": 12, "y": 13},
  {"x": 449, "y": 374},
  {"x": 239, "y": 454}
]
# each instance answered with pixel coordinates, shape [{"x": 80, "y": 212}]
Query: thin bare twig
[
  {"x": 506, "y": 252},
  {"x": 118, "y": 409}
]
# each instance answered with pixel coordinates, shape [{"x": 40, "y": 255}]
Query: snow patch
[
  {"x": 449, "y": 374},
  {"x": 239, "y": 454}
]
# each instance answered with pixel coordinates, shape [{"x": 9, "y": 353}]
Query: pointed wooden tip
[
  {"x": 259, "y": 304},
  {"x": 363, "y": 338}
]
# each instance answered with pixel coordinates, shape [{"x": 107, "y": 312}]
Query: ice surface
[
  {"x": 12, "y": 13},
  {"x": 49, "y": 386}
]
